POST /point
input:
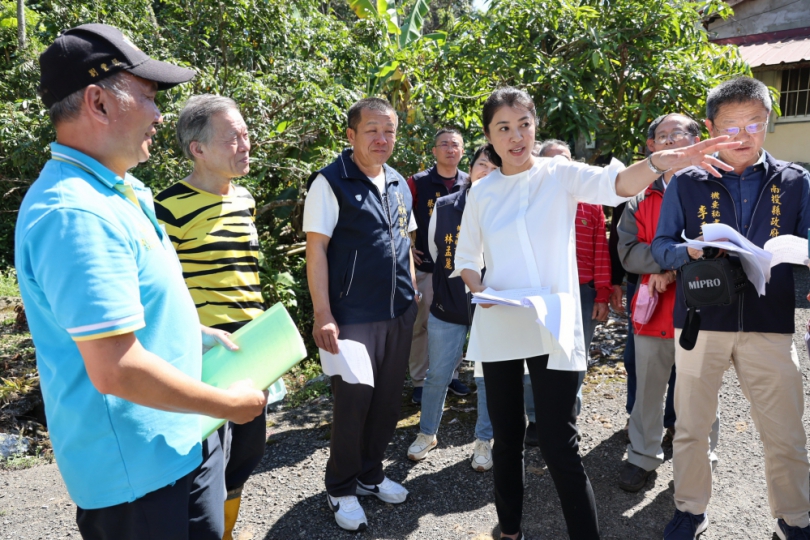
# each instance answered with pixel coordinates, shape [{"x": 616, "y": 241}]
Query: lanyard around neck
[{"x": 123, "y": 189}]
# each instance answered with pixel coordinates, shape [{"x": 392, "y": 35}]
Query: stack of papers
[
  {"x": 787, "y": 249},
  {"x": 757, "y": 262},
  {"x": 555, "y": 312},
  {"x": 352, "y": 363},
  {"x": 511, "y": 297}
]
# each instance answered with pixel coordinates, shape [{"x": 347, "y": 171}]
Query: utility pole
[{"x": 21, "y": 24}]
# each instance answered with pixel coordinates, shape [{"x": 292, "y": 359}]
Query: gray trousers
[
  {"x": 364, "y": 418},
  {"x": 654, "y": 360}
]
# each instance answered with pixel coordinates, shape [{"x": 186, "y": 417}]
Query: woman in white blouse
[{"x": 519, "y": 225}]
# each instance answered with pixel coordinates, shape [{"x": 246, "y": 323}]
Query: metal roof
[{"x": 776, "y": 52}]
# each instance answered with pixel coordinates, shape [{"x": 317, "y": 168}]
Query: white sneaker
[
  {"x": 348, "y": 512},
  {"x": 421, "y": 446},
  {"x": 389, "y": 491},
  {"x": 482, "y": 456}
]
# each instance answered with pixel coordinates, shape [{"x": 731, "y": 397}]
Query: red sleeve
[
  {"x": 601, "y": 267},
  {"x": 412, "y": 187}
]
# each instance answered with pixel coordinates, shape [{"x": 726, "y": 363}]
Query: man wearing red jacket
[{"x": 654, "y": 339}]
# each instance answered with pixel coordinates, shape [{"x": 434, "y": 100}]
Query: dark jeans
[
  {"x": 555, "y": 396},
  {"x": 244, "y": 449},
  {"x": 630, "y": 367},
  {"x": 363, "y": 417},
  {"x": 189, "y": 509}
]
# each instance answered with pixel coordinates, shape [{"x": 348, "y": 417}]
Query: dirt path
[{"x": 285, "y": 499}]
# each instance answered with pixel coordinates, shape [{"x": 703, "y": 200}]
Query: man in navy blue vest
[
  {"x": 357, "y": 218},
  {"x": 426, "y": 188},
  {"x": 761, "y": 198}
]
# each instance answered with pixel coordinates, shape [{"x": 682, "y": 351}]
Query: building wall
[
  {"x": 787, "y": 139},
  {"x": 760, "y": 16},
  {"x": 788, "y": 142}
]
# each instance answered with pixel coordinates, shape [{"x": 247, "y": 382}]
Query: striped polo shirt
[{"x": 216, "y": 241}]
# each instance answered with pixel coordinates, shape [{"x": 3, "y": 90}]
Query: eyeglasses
[
  {"x": 446, "y": 145},
  {"x": 750, "y": 128},
  {"x": 675, "y": 136}
]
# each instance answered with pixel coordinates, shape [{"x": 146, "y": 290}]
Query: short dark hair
[
  {"x": 691, "y": 126},
  {"x": 541, "y": 147},
  {"x": 444, "y": 131},
  {"x": 738, "y": 90},
  {"x": 507, "y": 96},
  {"x": 371, "y": 104}
]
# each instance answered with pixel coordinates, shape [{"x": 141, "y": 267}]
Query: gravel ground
[{"x": 285, "y": 499}]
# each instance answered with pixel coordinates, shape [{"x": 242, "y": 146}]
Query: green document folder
[{"x": 269, "y": 346}]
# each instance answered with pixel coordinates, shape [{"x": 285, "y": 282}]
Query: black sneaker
[
  {"x": 416, "y": 397},
  {"x": 531, "y": 435},
  {"x": 458, "y": 388},
  {"x": 783, "y": 531},
  {"x": 633, "y": 478},
  {"x": 686, "y": 526}
]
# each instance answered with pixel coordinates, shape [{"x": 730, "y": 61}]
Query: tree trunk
[{"x": 21, "y": 24}]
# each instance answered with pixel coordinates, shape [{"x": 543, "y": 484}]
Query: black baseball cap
[{"x": 91, "y": 52}]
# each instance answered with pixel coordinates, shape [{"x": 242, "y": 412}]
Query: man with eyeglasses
[
  {"x": 654, "y": 343},
  {"x": 426, "y": 187},
  {"x": 761, "y": 198}
]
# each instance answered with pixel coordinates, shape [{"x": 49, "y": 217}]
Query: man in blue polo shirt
[{"x": 118, "y": 339}]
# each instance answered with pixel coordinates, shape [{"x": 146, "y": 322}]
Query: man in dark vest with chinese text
[
  {"x": 426, "y": 188},
  {"x": 761, "y": 198},
  {"x": 357, "y": 218}
]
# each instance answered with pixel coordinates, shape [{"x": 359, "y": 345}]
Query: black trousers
[
  {"x": 555, "y": 398},
  {"x": 244, "y": 449},
  {"x": 192, "y": 508},
  {"x": 244, "y": 444},
  {"x": 364, "y": 418}
]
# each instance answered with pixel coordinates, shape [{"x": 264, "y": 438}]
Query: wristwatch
[
  {"x": 418, "y": 296},
  {"x": 653, "y": 168}
]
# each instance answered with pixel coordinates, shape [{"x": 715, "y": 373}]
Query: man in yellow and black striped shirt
[
  {"x": 217, "y": 244},
  {"x": 211, "y": 223}
]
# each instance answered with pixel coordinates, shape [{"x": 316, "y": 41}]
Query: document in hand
[
  {"x": 269, "y": 346},
  {"x": 787, "y": 248},
  {"x": 755, "y": 261},
  {"x": 555, "y": 312},
  {"x": 352, "y": 363}
]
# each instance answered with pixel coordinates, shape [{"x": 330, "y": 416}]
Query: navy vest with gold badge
[
  {"x": 369, "y": 252},
  {"x": 429, "y": 187},
  {"x": 705, "y": 199},
  {"x": 451, "y": 301}
]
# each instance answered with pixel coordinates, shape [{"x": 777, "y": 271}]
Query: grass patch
[
  {"x": 18, "y": 463},
  {"x": 8, "y": 283},
  {"x": 296, "y": 379},
  {"x": 305, "y": 394}
]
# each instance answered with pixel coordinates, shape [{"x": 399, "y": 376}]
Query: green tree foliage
[{"x": 594, "y": 67}]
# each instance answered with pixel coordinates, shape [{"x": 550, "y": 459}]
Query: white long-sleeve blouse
[{"x": 521, "y": 229}]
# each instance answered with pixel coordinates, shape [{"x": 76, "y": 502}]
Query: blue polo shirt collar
[
  {"x": 90, "y": 165},
  {"x": 122, "y": 186}
]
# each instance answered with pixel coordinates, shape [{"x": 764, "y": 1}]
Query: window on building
[{"x": 794, "y": 99}]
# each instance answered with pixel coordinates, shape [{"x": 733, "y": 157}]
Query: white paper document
[
  {"x": 509, "y": 297},
  {"x": 555, "y": 312},
  {"x": 352, "y": 363},
  {"x": 756, "y": 262},
  {"x": 787, "y": 248}
]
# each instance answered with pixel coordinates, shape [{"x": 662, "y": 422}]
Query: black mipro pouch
[{"x": 708, "y": 282}]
